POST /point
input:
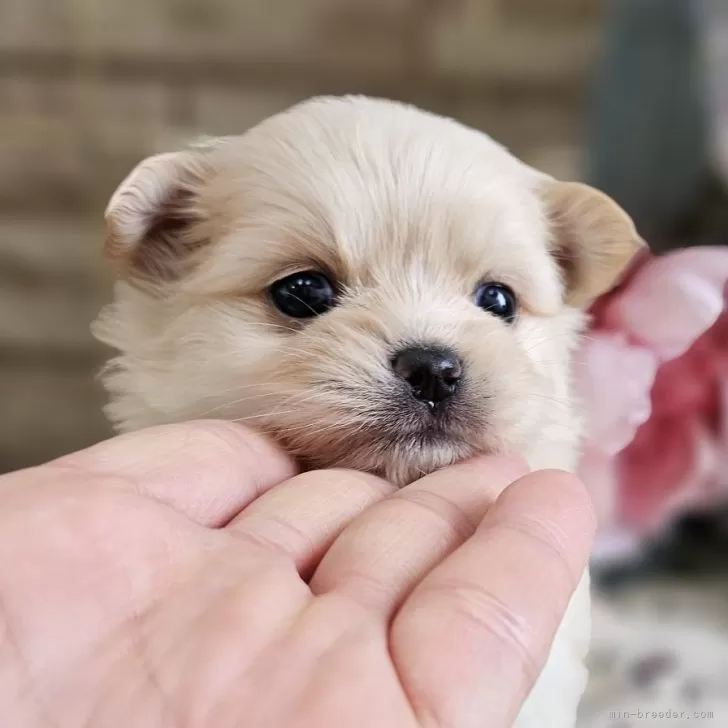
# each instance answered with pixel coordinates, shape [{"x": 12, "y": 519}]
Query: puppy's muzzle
[{"x": 432, "y": 373}]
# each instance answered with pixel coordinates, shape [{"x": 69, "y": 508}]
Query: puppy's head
[{"x": 374, "y": 286}]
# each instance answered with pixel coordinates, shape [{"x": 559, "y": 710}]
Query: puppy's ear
[
  {"x": 594, "y": 239},
  {"x": 152, "y": 220}
]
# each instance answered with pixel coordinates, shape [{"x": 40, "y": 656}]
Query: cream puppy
[{"x": 374, "y": 286}]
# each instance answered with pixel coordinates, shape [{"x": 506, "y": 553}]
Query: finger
[
  {"x": 475, "y": 634},
  {"x": 209, "y": 470},
  {"x": 385, "y": 552},
  {"x": 302, "y": 517}
]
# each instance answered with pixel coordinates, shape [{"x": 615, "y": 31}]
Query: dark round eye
[
  {"x": 498, "y": 300},
  {"x": 303, "y": 295}
]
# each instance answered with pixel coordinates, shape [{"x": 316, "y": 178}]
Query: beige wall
[{"x": 87, "y": 87}]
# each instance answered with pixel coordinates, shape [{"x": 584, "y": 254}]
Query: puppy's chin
[
  {"x": 401, "y": 468},
  {"x": 408, "y": 465},
  {"x": 400, "y": 460}
]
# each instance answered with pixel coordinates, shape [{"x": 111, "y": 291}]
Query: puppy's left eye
[
  {"x": 303, "y": 295},
  {"x": 498, "y": 300}
]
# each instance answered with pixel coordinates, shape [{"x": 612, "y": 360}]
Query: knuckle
[
  {"x": 575, "y": 496},
  {"x": 550, "y": 544},
  {"x": 218, "y": 437},
  {"x": 351, "y": 480},
  {"x": 489, "y": 619},
  {"x": 231, "y": 446},
  {"x": 446, "y": 511}
]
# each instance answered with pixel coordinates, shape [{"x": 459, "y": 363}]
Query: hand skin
[{"x": 185, "y": 576}]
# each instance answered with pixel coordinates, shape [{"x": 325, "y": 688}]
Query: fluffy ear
[
  {"x": 594, "y": 239},
  {"x": 151, "y": 219}
]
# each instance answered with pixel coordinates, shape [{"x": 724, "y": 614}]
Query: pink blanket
[{"x": 654, "y": 375}]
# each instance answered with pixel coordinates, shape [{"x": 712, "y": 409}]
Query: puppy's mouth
[
  {"x": 411, "y": 418},
  {"x": 404, "y": 428},
  {"x": 435, "y": 426},
  {"x": 402, "y": 443}
]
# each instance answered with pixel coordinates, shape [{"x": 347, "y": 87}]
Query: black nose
[{"x": 432, "y": 373}]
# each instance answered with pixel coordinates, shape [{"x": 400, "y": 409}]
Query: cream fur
[{"x": 409, "y": 212}]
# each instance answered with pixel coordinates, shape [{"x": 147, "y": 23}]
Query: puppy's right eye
[{"x": 303, "y": 295}]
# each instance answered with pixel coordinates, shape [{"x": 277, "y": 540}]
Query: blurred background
[{"x": 625, "y": 94}]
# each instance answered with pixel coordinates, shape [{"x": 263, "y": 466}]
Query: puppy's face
[{"x": 374, "y": 286}]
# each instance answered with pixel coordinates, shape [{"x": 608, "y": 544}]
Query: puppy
[{"x": 375, "y": 287}]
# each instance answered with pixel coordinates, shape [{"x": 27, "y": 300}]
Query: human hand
[{"x": 185, "y": 576}]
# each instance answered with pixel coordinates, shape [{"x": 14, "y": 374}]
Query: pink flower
[{"x": 653, "y": 374}]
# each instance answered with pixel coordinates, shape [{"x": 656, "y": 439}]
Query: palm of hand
[{"x": 173, "y": 596}]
